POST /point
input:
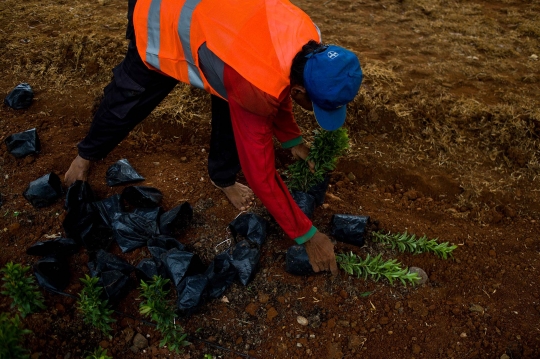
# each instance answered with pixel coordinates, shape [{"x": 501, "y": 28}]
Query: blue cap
[{"x": 332, "y": 78}]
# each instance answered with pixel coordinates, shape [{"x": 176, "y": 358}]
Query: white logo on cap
[{"x": 332, "y": 54}]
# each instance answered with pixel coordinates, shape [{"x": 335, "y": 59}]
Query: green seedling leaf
[
  {"x": 327, "y": 147},
  {"x": 405, "y": 242},
  {"x": 95, "y": 310},
  {"x": 21, "y": 288},
  {"x": 375, "y": 268},
  {"x": 162, "y": 311}
]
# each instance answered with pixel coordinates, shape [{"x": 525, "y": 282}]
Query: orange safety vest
[{"x": 257, "y": 38}]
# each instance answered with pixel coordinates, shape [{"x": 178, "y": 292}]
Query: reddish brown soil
[{"x": 482, "y": 304}]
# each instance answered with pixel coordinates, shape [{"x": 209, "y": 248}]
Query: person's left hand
[{"x": 301, "y": 151}]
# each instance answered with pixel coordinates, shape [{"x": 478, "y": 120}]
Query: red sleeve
[
  {"x": 253, "y": 133},
  {"x": 257, "y": 102}
]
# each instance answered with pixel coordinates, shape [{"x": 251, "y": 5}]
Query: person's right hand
[
  {"x": 301, "y": 151},
  {"x": 77, "y": 171},
  {"x": 321, "y": 255}
]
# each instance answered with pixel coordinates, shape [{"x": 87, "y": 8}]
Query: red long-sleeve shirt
[{"x": 256, "y": 118}]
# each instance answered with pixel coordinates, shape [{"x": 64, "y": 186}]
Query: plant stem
[
  {"x": 405, "y": 242},
  {"x": 376, "y": 268}
]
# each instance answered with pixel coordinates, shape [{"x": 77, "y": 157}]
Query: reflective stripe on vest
[
  {"x": 184, "y": 27},
  {"x": 154, "y": 24}
]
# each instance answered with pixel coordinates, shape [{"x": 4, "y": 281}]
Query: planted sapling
[
  {"x": 327, "y": 147},
  {"x": 11, "y": 335},
  {"x": 376, "y": 268},
  {"x": 95, "y": 310},
  {"x": 21, "y": 288},
  {"x": 405, "y": 242},
  {"x": 99, "y": 353},
  {"x": 160, "y": 310}
]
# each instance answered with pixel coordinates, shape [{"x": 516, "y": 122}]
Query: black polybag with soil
[
  {"x": 349, "y": 228},
  {"x": 52, "y": 274},
  {"x": 113, "y": 273},
  {"x": 59, "y": 247},
  {"x": 23, "y": 143},
  {"x": 161, "y": 244},
  {"x": 142, "y": 196},
  {"x": 150, "y": 267},
  {"x": 221, "y": 274},
  {"x": 245, "y": 259},
  {"x": 122, "y": 172},
  {"x": 191, "y": 293},
  {"x": 83, "y": 222},
  {"x": 132, "y": 231},
  {"x": 297, "y": 261},
  {"x": 109, "y": 209},
  {"x": 181, "y": 264},
  {"x": 305, "y": 201},
  {"x": 250, "y": 226},
  {"x": 318, "y": 191},
  {"x": 44, "y": 191},
  {"x": 175, "y": 220},
  {"x": 20, "y": 97}
]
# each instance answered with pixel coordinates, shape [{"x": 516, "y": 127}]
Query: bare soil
[{"x": 445, "y": 142}]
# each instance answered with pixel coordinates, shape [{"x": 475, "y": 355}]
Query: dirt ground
[{"x": 444, "y": 142}]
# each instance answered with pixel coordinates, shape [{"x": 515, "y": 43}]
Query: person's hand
[
  {"x": 321, "y": 255},
  {"x": 301, "y": 151},
  {"x": 77, "y": 171}
]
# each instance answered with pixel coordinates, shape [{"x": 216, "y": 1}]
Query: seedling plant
[
  {"x": 99, "y": 353},
  {"x": 405, "y": 242},
  {"x": 160, "y": 310},
  {"x": 95, "y": 310},
  {"x": 11, "y": 335},
  {"x": 327, "y": 147},
  {"x": 376, "y": 268},
  {"x": 21, "y": 288}
]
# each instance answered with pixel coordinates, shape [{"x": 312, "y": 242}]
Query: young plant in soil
[
  {"x": 11, "y": 334},
  {"x": 408, "y": 243},
  {"x": 99, "y": 353},
  {"x": 327, "y": 147},
  {"x": 160, "y": 310},
  {"x": 21, "y": 288},
  {"x": 95, "y": 310},
  {"x": 376, "y": 268}
]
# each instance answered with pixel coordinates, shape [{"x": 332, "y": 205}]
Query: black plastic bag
[
  {"x": 176, "y": 219},
  {"x": 349, "y": 228},
  {"x": 105, "y": 261},
  {"x": 297, "y": 261},
  {"x": 81, "y": 217},
  {"x": 122, "y": 172},
  {"x": 181, "y": 264},
  {"x": 245, "y": 258},
  {"x": 318, "y": 191},
  {"x": 221, "y": 274},
  {"x": 52, "y": 274},
  {"x": 305, "y": 201},
  {"x": 60, "y": 247},
  {"x": 250, "y": 226},
  {"x": 115, "y": 285},
  {"x": 132, "y": 231},
  {"x": 191, "y": 293},
  {"x": 44, "y": 191},
  {"x": 142, "y": 196},
  {"x": 20, "y": 97},
  {"x": 161, "y": 244},
  {"x": 109, "y": 209},
  {"x": 151, "y": 214},
  {"x": 23, "y": 143},
  {"x": 148, "y": 268}
]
